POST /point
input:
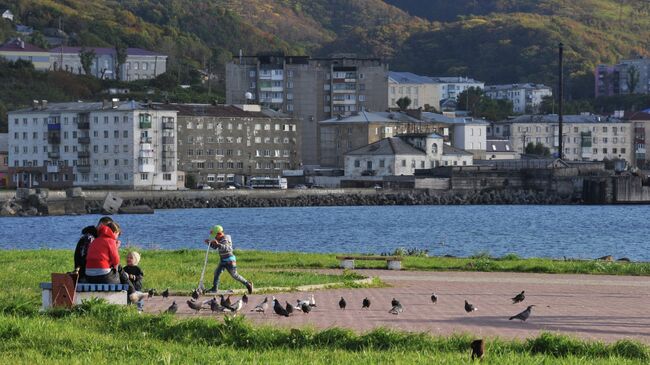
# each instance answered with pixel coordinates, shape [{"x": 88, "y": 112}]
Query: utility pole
[{"x": 560, "y": 99}]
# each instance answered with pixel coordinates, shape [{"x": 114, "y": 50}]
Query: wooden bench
[
  {"x": 393, "y": 262},
  {"x": 112, "y": 293}
]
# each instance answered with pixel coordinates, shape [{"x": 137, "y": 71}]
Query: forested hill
[{"x": 496, "y": 41}]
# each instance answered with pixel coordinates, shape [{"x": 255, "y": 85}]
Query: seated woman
[{"x": 103, "y": 259}]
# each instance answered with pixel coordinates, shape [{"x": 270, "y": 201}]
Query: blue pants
[{"x": 232, "y": 270}]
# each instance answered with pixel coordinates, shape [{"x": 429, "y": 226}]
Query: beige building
[
  {"x": 585, "y": 137},
  {"x": 426, "y": 91},
  {"x": 222, "y": 144},
  {"x": 641, "y": 124}
]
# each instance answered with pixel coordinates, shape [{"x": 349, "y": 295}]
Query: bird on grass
[
  {"x": 165, "y": 294},
  {"x": 478, "y": 349},
  {"x": 394, "y": 302},
  {"x": 151, "y": 293},
  {"x": 305, "y": 308},
  {"x": 523, "y": 316},
  {"x": 434, "y": 298},
  {"x": 518, "y": 298},
  {"x": 289, "y": 308},
  {"x": 262, "y": 307},
  {"x": 279, "y": 309},
  {"x": 172, "y": 308},
  {"x": 342, "y": 303},
  {"x": 469, "y": 308},
  {"x": 397, "y": 308},
  {"x": 196, "y": 294},
  {"x": 195, "y": 305},
  {"x": 365, "y": 303}
]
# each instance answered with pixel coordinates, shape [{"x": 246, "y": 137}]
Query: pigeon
[
  {"x": 523, "y": 315},
  {"x": 279, "y": 309},
  {"x": 195, "y": 305},
  {"x": 470, "y": 307},
  {"x": 165, "y": 294},
  {"x": 518, "y": 298},
  {"x": 365, "y": 303},
  {"x": 300, "y": 304},
  {"x": 394, "y": 302},
  {"x": 137, "y": 296},
  {"x": 225, "y": 302},
  {"x": 342, "y": 303},
  {"x": 478, "y": 349},
  {"x": 151, "y": 293},
  {"x": 196, "y": 294},
  {"x": 305, "y": 308},
  {"x": 214, "y": 306},
  {"x": 244, "y": 298},
  {"x": 434, "y": 298},
  {"x": 312, "y": 301},
  {"x": 289, "y": 308},
  {"x": 172, "y": 308},
  {"x": 262, "y": 306},
  {"x": 397, "y": 309},
  {"x": 238, "y": 305}
]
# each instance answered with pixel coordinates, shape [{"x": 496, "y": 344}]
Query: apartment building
[
  {"x": 585, "y": 137},
  {"x": 310, "y": 89},
  {"x": 17, "y": 49},
  {"x": 112, "y": 144},
  {"x": 525, "y": 98},
  {"x": 140, "y": 64},
  {"x": 4, "y": 160},
  {"x": 426, "y": 91},
  {"x": 222, "y": 144},
  {"x": 641, "y": 123}
]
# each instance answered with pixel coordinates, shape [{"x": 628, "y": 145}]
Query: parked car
[
  {"x": 204, "y": 187},
  {"x": 300, "y": 187}
]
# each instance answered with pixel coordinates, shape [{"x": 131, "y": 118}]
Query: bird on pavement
[
  {"x": 300, "y": 303},
  {"x": 478, "y": 349},
  {"x": 523, "y": 316},
  {"x": 172, "y": 308},
  {"x": 137, "y": 296},
  {"x": 434, "y": 298},
  {"x": 470, "y": 307},
  {"x": 305, "y": 308},
  {"x": 195, "y": 305},
  {"x": 151, "y": 293},
  {"x": 394, "y": 302},
  {"x": 365, "y": 303},
  {"x": 225, "y": 302},
  {"x": 289, "y": 308},
  {"x": 214, "y": 306},
  {"x": 165, "y": 294},
  {"x": 342, "y": 303},
  {"x": 518, "y": 298},
  {"x": 196, "y": 294},
  {"x": 397, "y": 308},
  {"x": 239, "y": 304},
  {"x": 312, "y": 301},
  {"x": 279, "y": 309},
  {"x": 262, "y": 307}
]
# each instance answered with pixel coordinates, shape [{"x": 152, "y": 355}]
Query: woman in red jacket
[{"x": 103, "y": 259}]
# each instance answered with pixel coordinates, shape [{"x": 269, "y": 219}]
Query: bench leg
[
  {"x": 394, "y": 265},
  {"x": 347, "y": 264},
  {"x": 46, "y": 299}
]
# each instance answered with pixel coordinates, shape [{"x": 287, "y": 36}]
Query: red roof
[
  {"x": 641, "y": 115},
  {"x": 17, "y": 45}
]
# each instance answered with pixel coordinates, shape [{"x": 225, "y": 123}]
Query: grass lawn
[{"x": 99, "y": 333}]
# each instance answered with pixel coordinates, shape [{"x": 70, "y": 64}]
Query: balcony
[
  {"x": 83, "y": 169},
  {"x": 83, "y": 125},
  {"x": 145, "y": 139},
  {"x": 83, "y": 154},
  {"x": 169, "y": 154},
  {"x": 53, "y": 169},
  {"x": 145, "y": 125},
  {"x": 54, "y": 137},
  {"x": 83, "y": 140},
  {"x": 54, "y": 155},
  {"x": 168, "y": 168},
  {"x": 168, "y": 125},
  {"x": 54, "y": 127},
  {"x": 277, "y": 89},
  {"x": 146, "y": 167},
  {"x": 168, "y": 140}
]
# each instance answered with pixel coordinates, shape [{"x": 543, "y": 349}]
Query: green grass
[{"x": 99, "y": 333}]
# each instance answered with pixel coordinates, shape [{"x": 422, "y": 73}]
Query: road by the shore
[{"x": 592, "y": 307}]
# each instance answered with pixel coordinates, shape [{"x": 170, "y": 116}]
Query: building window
[
  {"x": 167, "y": 177},
  {"x": 357, "y": 163},
  {"x": 144, "y": 176}
]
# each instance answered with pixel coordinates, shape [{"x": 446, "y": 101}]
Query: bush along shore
[{"x": 385, "y": 198}]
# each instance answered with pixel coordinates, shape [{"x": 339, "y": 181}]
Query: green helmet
[{"x": 215, "y": 230}]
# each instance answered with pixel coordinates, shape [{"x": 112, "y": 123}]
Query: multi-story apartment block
[
  {"x": 525, "y": 98},
  {"x": 120, "y": 145},
  {"x": 585, "y": 137},
  {"x": 17, "y": 49},
  {"x": 426, "y": 91},
  {"x": 221, "y": 144},
  {"x": 627, "y": 77},
  {"x": 140, "y": 64},
  {"x": 4, "y": 160},
  {"x": 641, "y": 124},
  {"x": 607, "y": 80},
  {"x": 311, "y": 89}
]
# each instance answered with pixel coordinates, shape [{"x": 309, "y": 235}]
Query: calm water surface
[{"x": 529, "y": 231}]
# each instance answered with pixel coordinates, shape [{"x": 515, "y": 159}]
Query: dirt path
[{"x": 586, "y": 306}]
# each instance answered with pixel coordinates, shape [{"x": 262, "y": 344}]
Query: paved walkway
[{"x": 588, "y": 306}]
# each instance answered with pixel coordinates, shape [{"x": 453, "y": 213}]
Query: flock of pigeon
[{"x": 225, "y": 305}]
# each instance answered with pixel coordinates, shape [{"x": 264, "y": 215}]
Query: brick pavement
[{"x": 587, "y": 306}]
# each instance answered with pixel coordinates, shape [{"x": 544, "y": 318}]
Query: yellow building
[{"x": 17, "y": 49}]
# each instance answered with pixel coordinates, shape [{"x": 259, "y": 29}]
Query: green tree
[
  {"x": 470, "y": 99},
  {"x": 632, "y": 79},
  {"x": 120, "y": 58},
  {"x": 537, "y": 149},
  {"x": 403, "y": 103},
  {"x": 39, "y": 40},
  {"x": 87, "y": 56}
]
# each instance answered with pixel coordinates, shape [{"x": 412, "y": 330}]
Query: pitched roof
[
  {"x": 106, "y": 51},
  {"x": 498, "y": 145},
  {"x": 17, "y": 45},
  {"x": 387, "y": 147},
  {"x": 553, "y": 118},
  {"x": 209, "y": 110},
  {"x": 86, "y": 107},
  {"x": 411, "y": 78},
  {"x": 642, "y": 115},
  {"x": 527, "y": 85},
  {"x": 360, "y": 117},
  {"x": 449, "y": 150}
]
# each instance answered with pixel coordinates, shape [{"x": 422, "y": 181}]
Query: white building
[
  {"x": 425, "y": 90},
  {"x": 525, "y": 98},
  {"x": 465, "y": 133},
  {"x": 402, "y": 155},
  {"x": 119, "y": 145}
]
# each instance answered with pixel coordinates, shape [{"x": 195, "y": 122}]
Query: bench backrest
[{"x": 83, "y": 287}]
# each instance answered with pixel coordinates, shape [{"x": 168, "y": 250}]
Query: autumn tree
[{"x": 86, "y": 56}]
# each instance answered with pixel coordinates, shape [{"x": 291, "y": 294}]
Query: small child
[
  {"x": 222, "y": 242},
  {"x": 135, "y": 275}
]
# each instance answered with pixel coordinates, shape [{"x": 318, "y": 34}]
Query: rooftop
[
  {"x": 515, "y": 86},
  {"x": 387, "y": 147},
  {"x": 553, "y": 118},
  {"x": 450, "y": 150},
  {"x": 85, "y": 107},
  {"x": 18, "y": 45},
  {"x": 498, "y": 145},
  {"x": 411, "y": 78},
  {"x": 208, "y": 110},
  {"x": 368, "y": 117},
  {"x": 106, "y": 51},
  {"x": 440, "y": 118}
]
